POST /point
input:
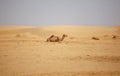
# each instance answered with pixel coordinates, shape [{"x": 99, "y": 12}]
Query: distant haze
[{"x": 59, "y": 12}]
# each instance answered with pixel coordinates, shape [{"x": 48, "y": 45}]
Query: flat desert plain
[{"x": 25, "y": 52}]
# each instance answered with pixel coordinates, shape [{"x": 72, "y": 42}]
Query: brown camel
[{"x": 54, "y": 38}]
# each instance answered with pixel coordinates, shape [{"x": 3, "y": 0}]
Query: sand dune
[{"x": 25, "y": 52}]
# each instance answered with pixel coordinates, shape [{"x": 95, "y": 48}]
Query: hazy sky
[{"x": 59, "y": 12}]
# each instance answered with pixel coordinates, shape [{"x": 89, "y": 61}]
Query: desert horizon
[
  {"x": 85, "y": 51},
  {"x": 59, "y": 37}
]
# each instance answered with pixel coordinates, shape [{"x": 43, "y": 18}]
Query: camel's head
[{"x": 64, "y": 35}]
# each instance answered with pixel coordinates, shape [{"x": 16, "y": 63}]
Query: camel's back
[{"x": 55, "y": 38}]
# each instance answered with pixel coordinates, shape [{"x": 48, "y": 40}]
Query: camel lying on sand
[{"x": 54, "y": 38}]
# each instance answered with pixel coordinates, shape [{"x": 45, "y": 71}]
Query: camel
[{"x": 54, "y": 38}]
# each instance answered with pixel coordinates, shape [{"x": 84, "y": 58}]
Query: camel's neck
[{"x": 62, "y": 38}]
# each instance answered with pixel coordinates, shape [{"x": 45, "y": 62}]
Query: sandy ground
[{"x": 25, "y": 52}]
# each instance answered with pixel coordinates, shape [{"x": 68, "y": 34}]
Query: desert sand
[{"x": 25, "y": 52}]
